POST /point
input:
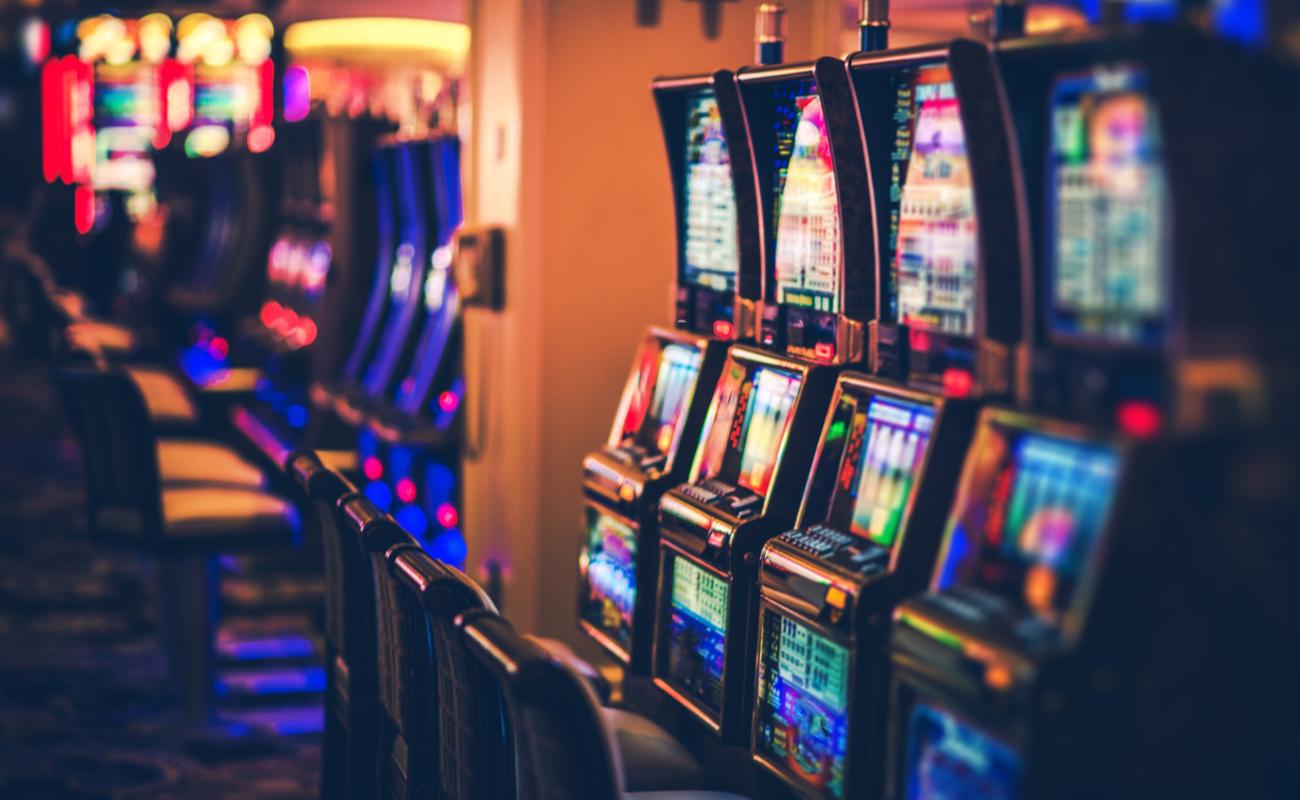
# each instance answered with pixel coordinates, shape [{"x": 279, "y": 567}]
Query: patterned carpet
[{"x": 86, "y": 712}]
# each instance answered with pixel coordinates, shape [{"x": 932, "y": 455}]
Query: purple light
[{"x": 297, "y": 93}]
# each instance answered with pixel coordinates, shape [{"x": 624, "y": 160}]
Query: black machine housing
[
  {"x": 986, "y": 357},
  {"x": 820, "y": 337}
]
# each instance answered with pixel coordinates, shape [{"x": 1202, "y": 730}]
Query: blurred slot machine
[
  {"x": 1019, "y": 672},
  {"x": 759, "y": 435},
  {"x": 892, "y": 444},
  {"x": 666, "y": 396}
]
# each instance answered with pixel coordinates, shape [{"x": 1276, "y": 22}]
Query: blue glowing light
[
  {"x": 450, "y": 548},
  {"x": 297, "y": 415},
  {"x": 413, "y": 519},
  {"x": 439, "y": 482},
  {"x": 380, "y": 493}
]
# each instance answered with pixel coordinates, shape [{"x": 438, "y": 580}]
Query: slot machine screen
[
  {"x": 1031, "y": 512},
  {"x": 803, "y": 703},
  {"x": 932, "y": 243},
  {"x": 1107, "y": 197},
  {"x": 126, "y": 116},
  {"x": 678, "y": 368},
  {"x": 611, "y": 575},
  {"x": 949, "y": 758},
  {"x": 697, "y": 632},
  {"x": 747, "y": 426},
  {"x": 885, "y": 441},
  {"x": 711, "y": 255},
  {"x": 806, "y": 213}
]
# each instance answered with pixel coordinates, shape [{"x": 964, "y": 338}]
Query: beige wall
[{"x": 568, "y": 154}]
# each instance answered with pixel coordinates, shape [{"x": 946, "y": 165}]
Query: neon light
[
  {"x": 373, "y": 468},
  {"x": 84, "y": 209},
  {"x": 261, "y": 138},
  {"x": 297, "y": 415},
  {"x": 270, "y": 313},
  {"x": 447, "y": 515},
  {"x": 413, "y": 520},
  {"x": 448, "y": 401},
  {"x": 957, "y": 382},
  {"x": 51, "y": 118},
  {"x": 722, "y": 329},
  {"x": 306, "y": 333},
  {"x": 380, "y": 494},
  {"x": 919, "y": 340},
  {"x": 297, "y": 93},
  {"x": 36, "y": 40},
  {"x": 264, "y": 114},
  {"x": 1139, "y": 418},
  {"x": 450, "y": 548},
  {"x": 824, "y": 350},
  {"x": 406, "y": 490},
  {"x": 219, "y": 347},
  {"x": 428, "y": 38}
]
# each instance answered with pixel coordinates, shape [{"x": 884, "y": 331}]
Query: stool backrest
[
  {"x": 119, "y": 450},
  {"x": 406, "y": 685},
  {"x": 475, "y": 752},
  {"x": 563, "y": 749},
  {"x": 349, "y": 590}
]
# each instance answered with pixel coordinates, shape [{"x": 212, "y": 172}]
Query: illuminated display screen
[
  {"x": 697, "y": 632},
  {"x": 950, "y": 759},
  {"x": 126, "y": 118},
  {"x": 747, "y": 426},
  {"x": 711, "y": 256},
  {"x": 611, "y": 575},
  {"x": 803, "y": 703},
  {"x": 679, "y": 366},
  {"x": 807, "y": 214},
  {"x": 1034, "y": 506},
  {"x": 885, "y": 444},
  {"x": 1107, "y": 202},
  {"x": 931, "y": 206}
]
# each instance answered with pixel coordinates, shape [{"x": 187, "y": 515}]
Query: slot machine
[
  {"x": 412, "y": 440},
  {"x": 758, "y": 438},
  {"x": 1027, "y": 669},
  {"x": 892, "y": 443},
  {"x": 666, "y": 395}
]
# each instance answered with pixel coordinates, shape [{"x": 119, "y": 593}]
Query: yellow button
[
  {"x": 836, "y": 598},
  {"x": 627, "y": 492}
]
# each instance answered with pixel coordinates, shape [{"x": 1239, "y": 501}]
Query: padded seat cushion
[
  {"x": 652, "y": 759},
  {"x": 168, "y": 401},
  {"x": 221, "y": 511},
  {"x": 100, "y": 337},
  {"x": 182, "y": 461}
]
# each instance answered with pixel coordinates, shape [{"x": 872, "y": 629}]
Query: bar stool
[
  {"x": 471, "y": 744},
  {"x": 183, "y": 524},
  {"x": 350, "y": 748},
  {"x": 563, "y": 747}
]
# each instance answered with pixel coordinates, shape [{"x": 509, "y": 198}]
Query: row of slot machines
[
  {"x": 360, "y": 325},
  {"x": 894, "y": 501}
]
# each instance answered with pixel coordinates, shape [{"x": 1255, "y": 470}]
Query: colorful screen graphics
[
  {"x": 1034, "y": 506},
  {"x": 807, "y": 212},
  {"x": 712, "y": 255},
  {"x": 803, "y": 703},
  {"x": 611, "y": 576},
  {"x": 883, "y": 457},
  {"x": 950, "y": 759},
  {"x": 932, "y": 206},
  {"x": 1107, "y": 203},
  {"x": 747, "y": 426},
  {"x": 697, "y": 632},
  {"x": 679, "y": 366},
  {"x": 126, "y": 120}
]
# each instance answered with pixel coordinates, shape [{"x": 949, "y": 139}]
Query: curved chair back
[
  {"x": 119, "y": 452},
  {"x": 563, "y": 750},
  {"x": 407, "y": 692},
  {"x": 475, "y": 754},
  {"x": 349, "y": 751}
]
